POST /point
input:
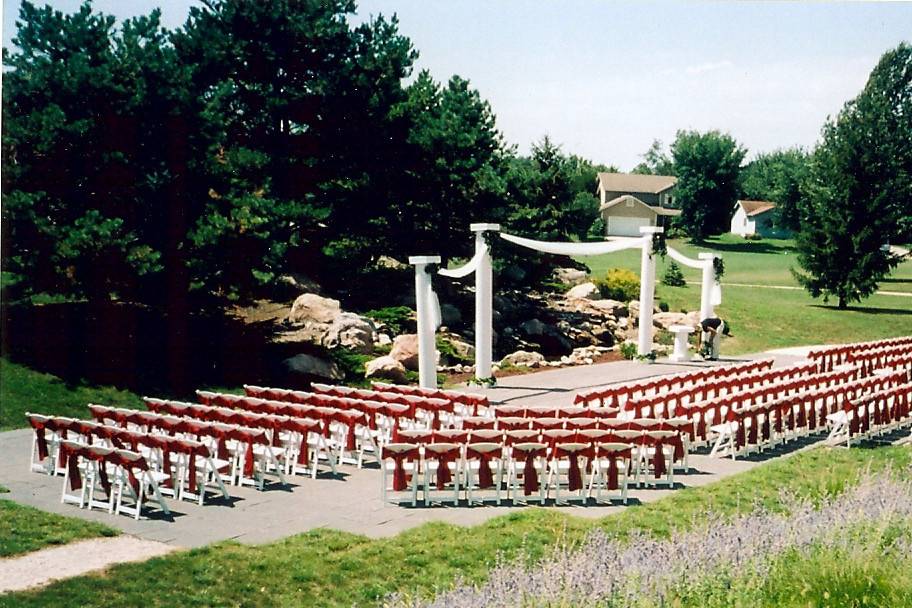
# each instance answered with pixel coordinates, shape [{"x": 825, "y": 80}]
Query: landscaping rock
[
  {"x": 522, "y": 358},
  {"x": 611, "y": 308},
  {"x": 351, "y": 331},
  {"x": 385, "y": 367},
  {"x": 667, "y": 319},
  {"x": 384, "y": 339},
  {"x": 583, "y": 290},
  {"x": 309, "y": 365},
  {"x": 405, "y": 350},
  {"x": 570, "y": 276},
  {"x": 310, "y": 308}
]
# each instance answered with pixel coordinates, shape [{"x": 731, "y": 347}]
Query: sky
[{"x": 605, "y": 79}]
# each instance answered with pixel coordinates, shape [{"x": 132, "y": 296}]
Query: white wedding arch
[{"x": 428, "y": 309}]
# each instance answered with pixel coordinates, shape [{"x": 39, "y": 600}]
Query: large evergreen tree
[
  {"x": 86, "y": 107},
  {"x": 859, "y": 188},
  {"x": 707, "y": 166}
]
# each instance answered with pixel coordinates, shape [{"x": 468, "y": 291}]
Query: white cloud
[{"x": 708, "y": 67}]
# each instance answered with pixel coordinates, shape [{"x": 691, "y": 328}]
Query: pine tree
[
  {"x": 673, "y": 276},
  {"x": 859, "y": 188}
]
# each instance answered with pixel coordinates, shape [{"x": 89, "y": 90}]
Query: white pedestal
[{"x": 682, "y": 339}]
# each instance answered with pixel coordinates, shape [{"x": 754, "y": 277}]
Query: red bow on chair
[
  {"x": 443, "y": 470},
  {"x": 613, "y": 468},
  {"x": 485, "y": 475},
  {"x": 530, "y": 475},
  {"x": 574, "y": 476},
  {"x": 658, "y": 459},
  {"x": 39, "y": 437},
  {"x": 69, "y": 458},
  {"x": 400, "y": 478}
]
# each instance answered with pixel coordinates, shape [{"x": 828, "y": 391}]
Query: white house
[
  {"x": 755, "y": 218},
  {"x": 629, "y": 201}
]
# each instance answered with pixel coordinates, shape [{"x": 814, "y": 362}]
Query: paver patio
[{"x": 352, "y": 502}]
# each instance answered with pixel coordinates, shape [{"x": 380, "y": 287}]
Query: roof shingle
[{"x": 634, "y": 182}]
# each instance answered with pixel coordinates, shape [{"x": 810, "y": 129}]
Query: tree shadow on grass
[
  {"x": 748, "y": 247},
  {"x": 868, "y": 310}
]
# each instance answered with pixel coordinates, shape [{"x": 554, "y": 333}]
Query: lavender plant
[{"x": 643, "y": 571}]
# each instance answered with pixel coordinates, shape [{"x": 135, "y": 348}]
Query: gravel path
[{"x": 39, "y": 568}]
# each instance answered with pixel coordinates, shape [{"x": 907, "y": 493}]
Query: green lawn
[
  {"x": 764, "y": 318},
  {"x": 330, "y": 568},
  {"x": 24, "y": 529},
  {"x": 23, "y": 390}
]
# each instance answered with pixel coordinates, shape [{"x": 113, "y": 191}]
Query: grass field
[
  {"x": 763, "y": 318},
  {"x": 330, "y": 568},
  {"x": 23, "y": 390},
  {"x": 24, "y": 529}
]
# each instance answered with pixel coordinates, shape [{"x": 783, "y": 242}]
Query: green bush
[
  {"x": 663, "y": 306},
  {"x": 397, "y": 319},
  {"x": 619, "y": 284},
  {"x": 673, "y": 276},
  {"x": 628, "y": 350}
]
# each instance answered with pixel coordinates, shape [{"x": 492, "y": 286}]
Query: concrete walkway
[
  {"x": 43, "y": 567},
  {"x": 351, "y": 502}
]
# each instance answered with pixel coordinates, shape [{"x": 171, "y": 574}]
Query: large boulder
[
  {"x": 522, "y": 358},
  {"x": 311, "y": 366},
  {"x": 310, "y": 308},
  {"x": 667, "y": 319},
  {"x": 385, "y": 367},
  {"x": 405, "y": 350},
  {"x": 569, "y": 276},
  {"x": 351, "y": 331},
  {"x": 582, "y": 291},
  {"x": 611, "y": 308}
]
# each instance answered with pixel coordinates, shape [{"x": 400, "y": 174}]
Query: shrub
[
  {"x": 663, "y": 306},
  {"x": 397, "y": 319},
  {"x": 619, "y": 284},
  {"x": 628, "y": 350},
  {"x": 673, "y": 276}
]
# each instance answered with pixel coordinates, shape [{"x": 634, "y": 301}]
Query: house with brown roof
[
  {"x": 755, "y": 218},
  {"x": 628, "y": 201}
]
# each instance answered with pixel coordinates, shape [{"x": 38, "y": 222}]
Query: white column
[
  {"x": 709, "y": 278},
  {"x": 427, "y": 347},
  {"x": 647, "y": 289},
  {"x": 484, "y": 303}
]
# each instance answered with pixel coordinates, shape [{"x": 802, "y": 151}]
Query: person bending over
[{"x": 711, "y": 337}]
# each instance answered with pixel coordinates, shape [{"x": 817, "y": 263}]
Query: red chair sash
[
  {"x": 575, "y": 477},
  {"x": 400, "y": 478},
  {"x": 530, "y": 475},
  {"x": 485, "y": 474}
]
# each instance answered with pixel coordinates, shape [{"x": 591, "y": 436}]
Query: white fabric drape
[
  {"x": 434, "y": 307},
  {"x": 715, "y": 297},
  {"x": 470, "y": 267},
  {"x": 599, "y": 248},
  {"x": 677, "y": 256}
]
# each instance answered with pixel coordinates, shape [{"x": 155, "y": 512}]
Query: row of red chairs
[
  {"x": 881, "y": 409},
  {"x": 712, "y": 412},
  {"x": 219, "y": 432},
  {"x": 616, "y": 395},
  {"x": 469, "y": 399},
  {"x": 551, "y": 411},
  {"x": 667, "y": 404},
  {"x": 86, "y": 432},
  {"x": 400, "y": 407},
  {"x": 881, "y": 358},
  {"x": 805, "y": 412},
  {"x": 827, "y": 358}
]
